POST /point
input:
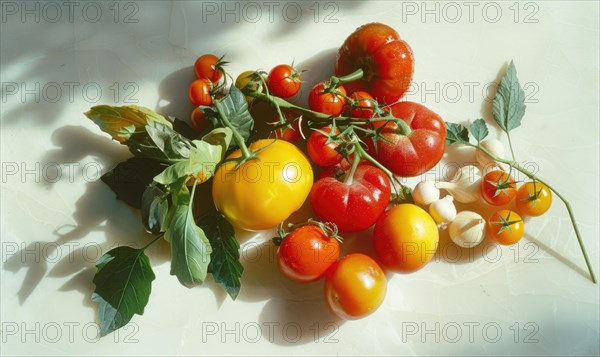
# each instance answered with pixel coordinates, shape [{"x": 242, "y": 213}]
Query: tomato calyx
[
  {"x": 533, "y": 197},
  {"x": 329, "y": 229},
  {"x": 505, "y": 223},
  {"x": 502, "y": 185}
]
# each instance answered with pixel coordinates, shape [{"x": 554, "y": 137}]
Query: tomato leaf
[
  {"x": 184, "y": 128},
  {"x": 123, "y": 285},
  {"x": 170, "y": 142},
  {"x": 235, "y": 109},
  {"x": 122, "y": 122},
  {"x": 456, "y": 133},
  {"x": 479, "y": 130},
  {"x": 129, "y": 179},
  {"x": 190, "y": 248},
  {"x": 225, "y": 263},
  {"x": 509, "y": 103},
  {"x": 221, "y": 137},
  {"x": 154, "y": 208}
]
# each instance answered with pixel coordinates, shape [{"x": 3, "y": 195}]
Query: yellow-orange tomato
[
  {"x": 243, "y": 79},
  {"x": 262, "y": 193},
  {"x": 533, "y": 200},
  {"x": 405, "y": 238},
  {"x": 355, "y": 286},
  {"x": 505, "y": 227}
]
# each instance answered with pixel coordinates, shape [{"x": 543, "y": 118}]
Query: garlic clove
[
  {"x": 464, "y": 186},
  {"x": 425, "y": 193},
  {"x": 443, "y": 211},
  {"x": 467, "y": 229}
]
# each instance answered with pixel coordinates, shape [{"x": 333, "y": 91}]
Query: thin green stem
[
  {"x": 350, "y": 177},
  {"x": 159, "y": 236},
  {"x": 354, "y": 76},
  {"x": 532, "y": 176},
  {"x": 237, "y": 137},
  {"x": 512, "y": 152}
]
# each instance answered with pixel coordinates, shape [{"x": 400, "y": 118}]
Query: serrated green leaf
[
  {"x": 171, "y": 143},
  {"x": 172, "y": 173},
  {"x": 479, "y": 130},
  {"x": 235, "y": 108},
  {"x": 121, "y": 122},
  {"x": 509, "y": 103},
  {"x": 123, "y": 285},
  {"x": 221, "y": 137},
  {"x": 154, "y": 208},
  {"x": 225, "y": 263},
  {"x": 456, "y": 133}
]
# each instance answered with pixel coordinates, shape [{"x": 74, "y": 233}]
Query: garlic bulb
[
  {"x": 425, "y": 193},
  {"x": 495, "y": 147},
  {"x": 467, "y": 229},
  {"x": 464, "y": 186},
  {"x": 443, "y": 211}
]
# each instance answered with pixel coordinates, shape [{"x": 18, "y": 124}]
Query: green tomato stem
[
  {"x": 159, "y": 236},
  {"x": 512, "y": 152},
  {"x": 354, "y": 76},
  {"x": 237, "y": 137},
  {"x": 350, "y": 178},
  {"x": 532, "y": 176}
]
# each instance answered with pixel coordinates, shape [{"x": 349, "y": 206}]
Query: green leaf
[
  {"x": 172, "y": 173},
  {"x": 509, "y": 103},
  {"x": 171, "y": 143},
  {"x": 456, "y": 133},
  {"x": 154, "y": 208},
  {"x": 123, "y": 285},
  {"x": 479, "y": 130},
  {"x": 130, "y": 178},
  {"x": 190, "y": 248},
  {"x": 235, "y": 108},
  {"x": 225, "y": 263},
  {"x": 221, "y": 137}
]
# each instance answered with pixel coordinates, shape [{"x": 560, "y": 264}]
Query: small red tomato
[
  {"x": 290, "y": 134},
  {"x": 284, "y": 81},
  {"x": 353, "y": 201},
  {"x": 321, "y": 152},
  {"x": 498, "y": 188},
  {"x": 199, "y": 92},
  {"x": 199, "y": 120},
  {"x": 306, "y": 253},
  {"x": 363, "y": 107},
  {"x": 207, "y": 67},
  {"x": 355, "y": 286},
  {"x": 326, "y": 102}
]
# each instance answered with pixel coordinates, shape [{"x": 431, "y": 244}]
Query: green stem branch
[{"x": 237, "y": 137}]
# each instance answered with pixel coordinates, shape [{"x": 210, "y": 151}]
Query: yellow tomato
[
  {"x": 505, "y": 227},
  {"x": 264, "y": 192},
  {"x": 243, "y": 79},
  {"x": 533, "y": 200},
  {"x": 405, "y": 238}
]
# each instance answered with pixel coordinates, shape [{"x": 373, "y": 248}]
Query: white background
[{"x": 533, "y": 298}]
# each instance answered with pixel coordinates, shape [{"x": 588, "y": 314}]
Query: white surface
[{"x": 536, "y": 295}]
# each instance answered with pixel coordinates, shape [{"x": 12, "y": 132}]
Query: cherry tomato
[
  {"x": 505, "y": 227},
  {"x": 355, "y": 286},
  {"x": 199, "y": 92},
  {"x": 284, "y": 81},
  {"x": 387, "y": 62},
  {"x": 244, "y": 80},
  {"x": 207, "y": 67},
  {"x": 199, "y": 120},
  {"x": 533, "y": 199},
  {"x": 327, "y": 103},
  {"x": 354, "y": 203},
  {"x": 405, "y": 238},
  {"x": 412, "y": 149},
  {"x": 321, "y": 153},
  {"x": 306, "y": 253},
  {"x": 363, "y": 107},
  {"x": 291, "y": 134},
  {"x": 498, "y": 188}
]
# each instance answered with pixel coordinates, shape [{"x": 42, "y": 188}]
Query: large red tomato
[
  {"x": 354, "y": 204},
  {"x": 413, "y": 149},
  {"x": 386, "y": 60}
]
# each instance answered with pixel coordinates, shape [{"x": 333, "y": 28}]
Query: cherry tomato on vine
[
  {"x": 533, "y": 199},
  {"x": 326, "y": 102},
  {"x": 321, "y": 152},
  {"x": 355, "y": 286},
  {"x": 505, "y": 227},
  {"x": 244, "y": 79},
  {"x": 363, "y": 107},
  {"x": 354, "y": 200},
  {"x": 199, "y": 92},
  {"x": 386, "y": 61},
  {"x": 290, "y": 134},
  {"x": 405, "y": 238},
  {"x": 414, "y": 148},
  {"x": 208, "y": 67},
  {"x": 199, "y": 120},
  {"x": 498, "y": 188},
  {"x": 284, "y": 81},
  {"x": 306, "y": 253}
]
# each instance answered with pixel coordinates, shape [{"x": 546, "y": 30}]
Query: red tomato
[
  {"x": 306, "y": 253},
  {"x": 321, "y": 153},
  {"x": 363, "y": 107},
  {"x": 327, "y": 103},
  {"x": 199, "y": 92},
  {"x": 417, "y": 152},
  {"x": 355, "y": 286},
  {"x": 207, "y": 67},
  {"x": 354, "y": 204},
  {"x": 199, "y": 120},
  {"x": 289, "y": 134},
  {"x": 498, "y": 188},
  {"x": 284, "y": 81},
  {"x": 386, "y": 60}
]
